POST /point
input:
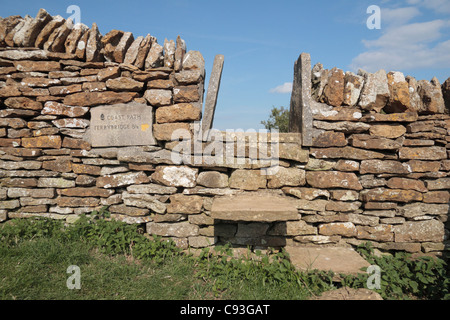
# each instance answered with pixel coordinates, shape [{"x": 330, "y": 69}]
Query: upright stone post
[
  {"x": 211, "y": 96},
  {"x": 300, "y": 119}
]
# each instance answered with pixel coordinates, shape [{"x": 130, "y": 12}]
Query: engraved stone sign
[{"x": 122, "y": 125}]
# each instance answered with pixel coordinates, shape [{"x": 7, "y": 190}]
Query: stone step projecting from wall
[{"x": 87, "y": 121}]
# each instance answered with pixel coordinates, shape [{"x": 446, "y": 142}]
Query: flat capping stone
[
  {"x": 337, "y": 259},
  {"x": 254, "y": 208}
]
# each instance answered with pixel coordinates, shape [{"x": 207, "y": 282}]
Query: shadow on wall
[{"x": 257, "y": 235}]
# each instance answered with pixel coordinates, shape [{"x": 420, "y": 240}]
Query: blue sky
[{"x": 262, "y": 39}]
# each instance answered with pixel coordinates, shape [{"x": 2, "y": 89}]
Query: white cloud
[
  {"x": 439, "y": 6},
  {"x": 398, "y": 16},
  {"x": 406, "y": 45},
  {"x": 284, "y": 88}
]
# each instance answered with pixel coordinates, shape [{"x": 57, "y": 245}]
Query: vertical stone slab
[
  {"x": 300, "y": 119},
  {"x": 211, "y": 96}
]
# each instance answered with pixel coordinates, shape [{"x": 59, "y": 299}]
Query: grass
[
  {"x": 118, "y": 262},
  {"x": 34, "y": 267}
]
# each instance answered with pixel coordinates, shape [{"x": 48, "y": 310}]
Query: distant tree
[{"x": 278, "y": 119}]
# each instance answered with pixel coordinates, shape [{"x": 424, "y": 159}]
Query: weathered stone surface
[
  {"x": 71, "y": 123},
  {"x": 388, "y": 131},
  {"x": 75, "y": 35},
  {"x": 421, "y": 209},
  {"x": 23, "y": 103},
  {"x": 446, "y": 93},
  {"x": 345, "y": 153},
  {"x": 415, "y": 99},
  {"x": 319, "y": 78},
  {"x": 6, "y": 26},
  {"x": 37, "y": 66},
  {"x": 89, "y": 99},
  {"x": 93, "y": 45},
  {"x": 86, "y": 192},
  {"x": 110, "y": 42},
  {"x": 86, "y": 169},
  {"x": 325, "y": 112},
  {"x": 345, "y": 229},
  {"x": 124, "y": 84},
  {"x": 397, "y": 195},
  {"x": 122, "y": 47},
  {"x": 330, "y": 139},
  {"x": 55, "y": 183},
  {"x": 175, "y": 176},
  {"x": 292, "y": 228},
  {"x": 34, "y": 193},
  {"x": 440, "y": 184},
  {"x": 393, "y": 117},
  {"x": 384, "y": 166},
  {"x": 65, "y": 90},
  {"x": 375, "y": 233},
  {"x": 39, "y": 82},
  {"x": 353, "y": 85},
  {"x": 56, "y": 40},
  {"x": 158, "y": 97},
  {"x": 108, "y": 73},
  {"x": 375, "y": 93},
  {"x": 419, "y": 231},
  {"x": 306, "y": 193},
  {"x": 178, "y": 230},
  {"x": 151, "y": 189},
  {"x": 186, "y": 77},
  {"x": 399, "y": 100},
  {"x": 427, "y": 153},
  {"x": 431, "y": 94},
  {"x": 59, "y": 109},
  {"x": 320, "y": 165},
  {"x": 407, "y": 184},
  {"x": 178, "y": 113},
  {"x": 247, "y": 180},
  {"x": 186, "y": 94},
  {"x": 155, "y": 56},
  {"x": 122, "y": 179},
  {"x": 286, "y": 177},
  {"x": 193, "y": 60},
  {"x": 292, "y": 151},
  {"x": 212, "y": 179},
  {"x": 30, "y": 35},
  {"x": 129, "y": 211},
  {"x": 343, "y": 126},
  {"x": 263, "y": 208},
  {"x": 347, "y": 165},
  {"x": 58, "y": 166},
  {"x": 165, "y": 131},
  {"x": 183, "y": 204},
  {"x": 333, "y": 179},
  {"x": 143, "y": 51},
  {"x": 46, "y": 31},
  {"x": 371, "y": 142},
  {"x": 9, "y": 204},
  {"x": 144, "y": 201},
  {"x": 345, "y": 195},
  {"x": 333, "y": 93},
  {"x": 133, "y": 50},
  {"x": 436, "y": 197},
  {"x": 423, "y": 166},
  {"x": 44, "y": 142},
  {"x": 341, "y": 206},
  {"x": 169, "y": 53}
]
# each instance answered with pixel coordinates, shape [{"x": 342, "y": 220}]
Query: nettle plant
[{"x": 405, "y": 277}]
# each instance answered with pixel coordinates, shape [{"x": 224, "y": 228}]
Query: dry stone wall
[{"x": 88, "y": 121}]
